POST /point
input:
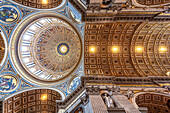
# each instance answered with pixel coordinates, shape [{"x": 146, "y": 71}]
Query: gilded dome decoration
[{"x": 49, "y": 49}]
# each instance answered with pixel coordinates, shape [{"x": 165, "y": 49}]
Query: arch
[
  {"x": 154, "y": 3},
  {"x": 155, "y": 102},
  {"x": 79, "y": 109},
  {"x": 3, "y": 37},
  {"x": 33, "y": 100},
  {"x": 57, "y": 90}
]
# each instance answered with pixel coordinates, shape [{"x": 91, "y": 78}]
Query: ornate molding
[
  {"x": 118, "y": 10},
  {"x": 125, "y": 80},
  {"x": 91, "y": 85}
]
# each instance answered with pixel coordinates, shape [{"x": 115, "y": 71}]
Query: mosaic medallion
[
  {"x": 7, "y": 83},
  {"x": 74, "y": 84},
  {"x": 74, "y": 14},
  {"x": 8, "y": 14},
  {"x": 49, "y": 49}
]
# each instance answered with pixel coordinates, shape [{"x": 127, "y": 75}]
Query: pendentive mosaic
[{"x": 8, "y": 14}]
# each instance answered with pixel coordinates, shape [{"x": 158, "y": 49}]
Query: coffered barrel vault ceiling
[
  {"x": 154, "y": 102},
  {"x": 152, "y": 2},
  {"x": 32, "y": 101},
  {"x": 38, "y": 3},
  {"x": 151, "y": 36},
  {"x": 126, "y": 37}
]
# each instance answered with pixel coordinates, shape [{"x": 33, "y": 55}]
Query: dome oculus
[{"x": 63, "y": 49}]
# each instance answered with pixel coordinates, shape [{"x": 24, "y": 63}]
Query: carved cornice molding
[
  {"x": 124, "y": 80},
  {"x": 99, "y": 89},
  {"x": 118, "y": 11}
]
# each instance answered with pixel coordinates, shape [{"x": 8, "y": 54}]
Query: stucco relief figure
[{"x": 108, "y": 100}]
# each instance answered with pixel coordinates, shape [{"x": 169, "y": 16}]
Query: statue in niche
[{"x": 108, "y": 100}]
